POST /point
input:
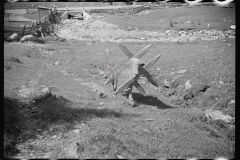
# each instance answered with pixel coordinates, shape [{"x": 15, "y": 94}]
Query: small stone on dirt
[
  {"x": 221, "y": 82},
  {"x": 70, "y": 151},
  {"x": 217, "y": 115},
  {"x": 120, "y": 157},
  {"x": 102, "y": 95},
  {"x": 182, "y": 71},
  {"x": 56, "y": 63},
  {"x": 167, "y": 83},
  {"x": 101, "y": 104},
  {"x": 76, "y": 131},
  {"x": 55, "y": 136},
  {"x": 231, "y": 102},
  {"x": 188, "y": 85},
  {"x": 233, "y": 27}
]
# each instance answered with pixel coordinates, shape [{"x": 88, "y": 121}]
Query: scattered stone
[
  {"x": 28, "y": 38},
  {"x": 182, "y": 71},
  {"x": 120, "y": 157},
  {"x": 142, "y": 38},
  {"x": 55, "y": 136},
  {"x": 77, "y": 131},
  {"x": 231, "y": 101},
  {"x": 13, "y": 38},
  {"x": 129, "y": 28},
  {"x": 167, "y": 31},
  {"x": 188, "y": 85},
  {"x": 101, "y": 104},
  {"x": 34, "y": 93},
  {"x": 56, "y": 63},
  {"x": 167, "y": 83},
  {"x": 102, "y": 95},
  {"x": 158, "y": 69},
  {"x": 218, "y": 115},
  {"x": 221, "y": 82},
  {"x": 70, "y": 151},
  {"x": 39, "y": 130},
  {"x": 233, "y": 27}
]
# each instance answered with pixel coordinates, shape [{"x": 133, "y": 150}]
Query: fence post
[
  {"x": 39, "y": 14},
  {"x": 23, "y": 30},
  {"x": 9, "y": 23}
]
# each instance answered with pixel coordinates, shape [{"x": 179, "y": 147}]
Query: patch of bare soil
[{"x": 80, "y": 117}]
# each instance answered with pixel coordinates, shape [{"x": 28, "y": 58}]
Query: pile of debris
[
  {"x": 46, "y": 24},
  {"x": 43, "y": 27}
]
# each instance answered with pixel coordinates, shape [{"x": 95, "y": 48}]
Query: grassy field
[{"x": 76, "y": 121}]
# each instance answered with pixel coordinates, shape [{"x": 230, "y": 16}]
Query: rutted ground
[{"x": 81, "y": 118}]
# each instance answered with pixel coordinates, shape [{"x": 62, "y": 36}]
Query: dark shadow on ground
[
  {"x": 150, "y": 100},
  {"x": 23, "y": 122},
  {"x": 40, "y": 41}
]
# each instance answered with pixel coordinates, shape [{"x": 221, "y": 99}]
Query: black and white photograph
[{"x": 119, "y": 80}]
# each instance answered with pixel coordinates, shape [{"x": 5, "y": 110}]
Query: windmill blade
[
  {"x": 108, "y": 80},
  {"x": 125, "y": 85},
  {"x": 125, "y": 50},
  {"x": 139, "y": 88},
  {"x": 151, "y": 62},
  {"x": 142, "y": 52},
  {"x": 150, "y": 78}
]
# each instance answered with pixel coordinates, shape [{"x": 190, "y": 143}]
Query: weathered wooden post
[
  {"x": 9, "y": 23},
  {"x": 38, "y": 14},
  {"x": 23, "y": 30}
]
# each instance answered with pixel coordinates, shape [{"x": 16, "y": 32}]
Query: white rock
[
  {"x": 166, "y": 83},
  {"x": 56, "y": 63},
  {"x": 233, "y": 27},
  {"x": 14, "y": 37},
  {"x": 101, "y": 104},
  {"x": 54, "y": 136},
  {"x": 167, "y": 31},
  {"x": 221, "y": 82},
  {"x": 182, "y": 71},
  {"x": 188, "y": 85},
  {"x": 27, "y": 38},
  {"x": 217, "y": 115},
  {"x": 120, "y": 157},
  {"x": 231, "y": 102},
  {"x": 76, "y": 131}
]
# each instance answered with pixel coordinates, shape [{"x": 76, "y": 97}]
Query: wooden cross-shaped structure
[{"x": 133, "y": 69}]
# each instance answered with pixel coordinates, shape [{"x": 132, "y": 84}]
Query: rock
[
  {"x": 218, "y": 115},
  {"x": 233, "y": 27},
  {"x": 13, "y": 38},
  {"x": 56, "y": 63},
  {"x": 76, "y": 131},
  {"x": 142, "y": 38},
  {"x": 34, "y": 93},
  {"x": 167, "y": 31},
  {"x": 167, "y": 83},
  {"x": 101, "y": 72},
  {"x": 120, "y": 157},
  {"x": 70, "y": 151},
  {"x": 102, "y": 95},
  {"x": 55, "y": 136},
  {"x": 231, "y": 102},
  {"x": 221, "y": 82},
  {"x": 182, "y": 71},
  {"x": 129, "y": 29},
  {"x": 28, "y": 38},
  {"x": 101, "y": 104},
  {"x": 188, "y": 85}
]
